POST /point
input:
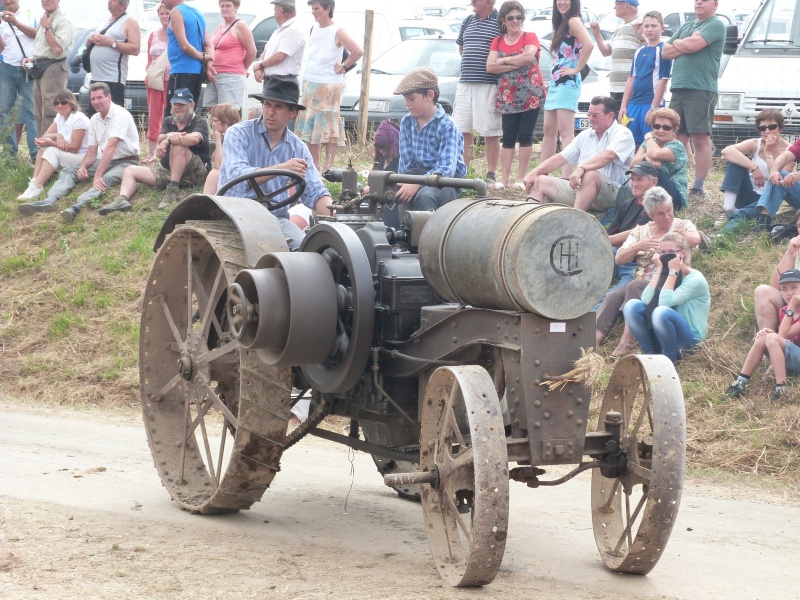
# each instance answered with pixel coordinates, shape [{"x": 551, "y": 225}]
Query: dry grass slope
[{"x": 70, "y": 304}]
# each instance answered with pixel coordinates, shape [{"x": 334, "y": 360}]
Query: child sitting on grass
[{"x": 782, "y": 347}]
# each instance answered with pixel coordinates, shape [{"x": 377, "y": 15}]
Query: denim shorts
[{"x": 792, "y": 354}]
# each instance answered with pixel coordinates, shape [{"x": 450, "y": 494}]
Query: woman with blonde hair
[
  {"x": 662, "y": 149},
  {"x": 64, "y": 144},
  {"x": 672, "y": 315},
  {"x": 222, "y": 117}
]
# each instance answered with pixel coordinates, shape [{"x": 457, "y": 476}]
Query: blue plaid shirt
[
  {"x": 247, "y": 149},
  {"x": 437, "y": 147}
]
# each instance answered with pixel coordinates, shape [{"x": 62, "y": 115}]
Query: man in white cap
[
  {"x": 430, "y": 142},
  {"x": 266, "y": 142},
  {"x": 284, "y": 51}
]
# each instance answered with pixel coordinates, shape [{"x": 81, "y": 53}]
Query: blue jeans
[
  {"x": 670, "y": 336},
  {"x": 14, "y": 89},
  {"x": 665, "y": 182},
  {"x": 747, "y": 213},
  {"x": 737, "y": 179},
  {"x": 774, "y": 194}
]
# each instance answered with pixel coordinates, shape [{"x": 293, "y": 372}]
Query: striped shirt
[
  {"x": 247, "y": 149},
  {"x": 624, "y": 43},
  {"x": 587, "y": 145},
  {"x": 475, "y": 38},
  {"x": 290, "y": 40},
  {"x": 437, "y": 147}
]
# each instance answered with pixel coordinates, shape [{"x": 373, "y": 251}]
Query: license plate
[
  {"x": 128, "y": 103},
  {"x": 790, "y": 138},
  {"x": 581, "y": 123}
]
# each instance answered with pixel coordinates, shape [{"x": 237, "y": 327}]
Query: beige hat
[{"x": 421, "y": 78}]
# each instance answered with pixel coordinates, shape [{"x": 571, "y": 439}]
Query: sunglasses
[
  {"x": 664, "y": 127},
  {"x": 515, "y": 18},
  {"x": 771, "y": 127},
  {"x": 60, "y": 103}
]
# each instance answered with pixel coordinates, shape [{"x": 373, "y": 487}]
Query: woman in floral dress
[{"x": 514, "y": 55}]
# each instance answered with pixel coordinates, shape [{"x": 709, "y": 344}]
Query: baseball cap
[
  {"x": 791, "y": 275},
  {"x": 182, "y": 96},
  {"x": 643, "y": 168}
]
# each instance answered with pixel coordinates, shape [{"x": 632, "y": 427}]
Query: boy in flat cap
[{"x": 430, "y": 142}]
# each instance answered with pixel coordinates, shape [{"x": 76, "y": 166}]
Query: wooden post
[{"x": 366, "y": 65}]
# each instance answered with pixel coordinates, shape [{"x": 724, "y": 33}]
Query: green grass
[
  {"x": 24, "y": 261},
  {"x": 62, "y": 323}
]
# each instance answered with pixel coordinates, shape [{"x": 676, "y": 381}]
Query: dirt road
[{"x": 83, "y": 515}]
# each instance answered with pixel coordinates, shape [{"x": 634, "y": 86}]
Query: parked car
[
  {"x": 76, "y": 74},
  {"x": 441, "y": 53}
]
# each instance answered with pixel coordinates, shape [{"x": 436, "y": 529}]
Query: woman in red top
[
  {"x": 156, "y": 99},
  {"x": 514, "y": 55},
  {"x": 234, "y": 51}
]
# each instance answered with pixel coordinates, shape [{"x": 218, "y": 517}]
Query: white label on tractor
[{"x": 558, "y": 327}]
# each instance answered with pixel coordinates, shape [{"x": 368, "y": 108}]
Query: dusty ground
[{"x": 83, "y": 514}]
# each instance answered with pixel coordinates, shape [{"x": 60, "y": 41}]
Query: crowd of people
[{"x": 631, "y": 163}]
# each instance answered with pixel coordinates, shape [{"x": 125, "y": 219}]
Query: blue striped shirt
[
  {"x": 247, "y": 149},
  {"x": 475, "y": 38},
  {"x": 437, "y": 147}
]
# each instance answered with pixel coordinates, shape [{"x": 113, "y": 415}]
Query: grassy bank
[{"x": 70, "y": 304}]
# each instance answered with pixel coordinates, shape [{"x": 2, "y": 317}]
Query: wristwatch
[
  {"x": 114, "y": 44},
  {"x": 673, "y": 272},
  {"x": 790, "y": 313}
]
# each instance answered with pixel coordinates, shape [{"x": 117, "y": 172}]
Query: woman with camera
[{"x": 672, "y": 315}]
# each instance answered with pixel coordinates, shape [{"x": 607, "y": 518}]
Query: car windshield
[
  {"x": 442, "y": 55},
  {"x": 776, "y": 26}
]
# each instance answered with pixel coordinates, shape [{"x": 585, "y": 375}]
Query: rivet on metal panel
[
  {"x": 516, "y": 379},
  {"x": 512, "y": 411},
  {"x": 547, "y": 450},
  {"x": 516, "y": 401},
  {"x": 537, "y": 403},
  {"x": 578, "y": 401},
  {"x": 537, "y": 381},
  {"x": 580, "y": 327},
  {"x": 578, "y": 422},
  {"x": 537, "y": 362},
  {"x": 455, "y": 340},
  {"x": 546, "y": 415},
  {"x": 570, "y": 414},
  {"x": 516, "y": 421},
  {"x": 537, "y": 424},
  {"x": 546, "y": 394},
  {"x": 558, "y": 450},
  {"x": 512, "y": 390},
  {"x": 455, "y": 325}
]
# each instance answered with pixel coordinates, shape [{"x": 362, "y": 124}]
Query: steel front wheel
[
  {"x": 215, "y": 416},
  {"x": 463, "y": 444},
  {"x": 633, "y": 514}
]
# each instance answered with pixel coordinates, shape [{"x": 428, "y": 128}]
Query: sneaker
[
  {"x": 722, "y": 219},
  {"x": 31, "y": 193},
  {"x": 119, "y": 204},
  {"x": 778, "y": 394},
  {"x": 490, "y": 179},
  {"x": 36, "y": 207},
  {"x": 68, "y": 214},
  {"x": 697, "y": 193},
  {"x": 736, "y": 390}
]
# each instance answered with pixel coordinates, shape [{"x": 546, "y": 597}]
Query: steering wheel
[{"x": 262, "y": 197}]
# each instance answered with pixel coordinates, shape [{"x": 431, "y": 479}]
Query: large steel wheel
[
  {"x": 215, "y": 416},
  {"x": 463, "y": 444},
  {"x": 633, "y": 514}
]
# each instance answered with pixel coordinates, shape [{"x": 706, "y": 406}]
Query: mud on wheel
[
  {"x": 633, "y": 514},
  {"x": 215, "y": 416}
]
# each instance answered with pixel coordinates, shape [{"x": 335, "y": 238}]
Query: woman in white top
[
  {"x": 749, "y": 163},
  {"x": 323, "y": 80},
  {"x": 64, "y": 144}
]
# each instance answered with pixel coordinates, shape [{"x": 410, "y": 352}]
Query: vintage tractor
[{"x": 447, "y": 343}]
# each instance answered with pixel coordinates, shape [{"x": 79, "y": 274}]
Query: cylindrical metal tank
[{"x": 549, "y": 259}]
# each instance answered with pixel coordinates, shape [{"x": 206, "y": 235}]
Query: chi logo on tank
[{"x": 564, "y": 256}]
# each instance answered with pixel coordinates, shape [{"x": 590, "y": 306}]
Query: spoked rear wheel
[
  {"x": 633, "y": 514},
  {"x": 463, "y": 443},
  {"x": 216, "y": 417}
]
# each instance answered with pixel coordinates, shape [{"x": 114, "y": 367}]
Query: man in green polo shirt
[{"x": 696, "y": 49}]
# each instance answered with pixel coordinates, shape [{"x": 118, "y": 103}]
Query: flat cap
[
  {"x": 420, "y": 78},
  {"x": 286, "y": 3}
]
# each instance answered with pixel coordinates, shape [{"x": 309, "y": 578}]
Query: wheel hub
[{"x": 186, "y": 367}]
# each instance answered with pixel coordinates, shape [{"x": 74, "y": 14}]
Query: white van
[{"x": 761, "y": 72}]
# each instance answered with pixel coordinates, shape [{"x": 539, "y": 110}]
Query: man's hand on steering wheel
[
  {"x": 296, "y": 165},
  {"x": 297, "y": 182}
]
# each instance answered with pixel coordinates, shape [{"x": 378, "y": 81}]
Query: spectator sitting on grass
[
  {"x": 781, "y": 346},
  {"x": 747, "y": 171},
  {"x": 113, "y": 145},
  {"x": 222, "y": 116},
  {"x": 767, "y": 298},
  {"x": 64, "y": 144},
  {"x": 184, "y": 157},
  {"x": 782, "y": 185}
]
